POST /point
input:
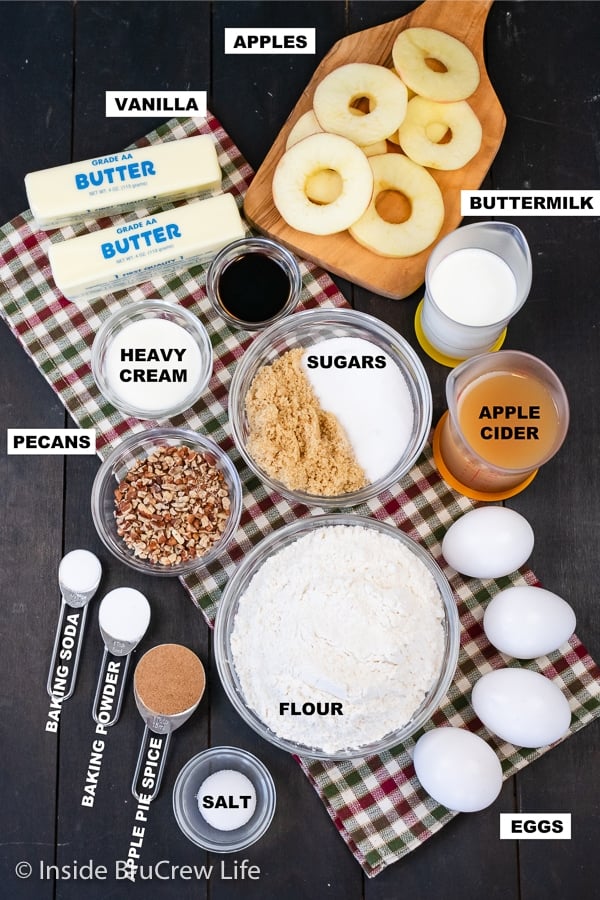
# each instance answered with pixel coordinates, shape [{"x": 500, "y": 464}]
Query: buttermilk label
[
  {"x": 270, "y": 40},
  {"x": 530, "y": 203},
  {"x": 140, "y": 104}
]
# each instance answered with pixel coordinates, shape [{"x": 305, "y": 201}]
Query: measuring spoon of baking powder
[
  {"x": 123, "y": 617},
  {"x": 156, "y": 666},
  {"x": 79, "y": 575}
]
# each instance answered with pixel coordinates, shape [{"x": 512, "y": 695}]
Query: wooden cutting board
[{"x": 339, "y": 253}]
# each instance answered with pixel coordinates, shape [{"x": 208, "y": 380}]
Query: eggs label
[
  {"x": 310, "y": 709},
  {"x": 535, "y": 826}
]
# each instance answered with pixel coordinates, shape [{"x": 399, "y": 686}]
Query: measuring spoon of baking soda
[
  {"x": 123, "y": 617},
  {"x": 168, "y": 684},
  {"x": 79, "y": 575}
]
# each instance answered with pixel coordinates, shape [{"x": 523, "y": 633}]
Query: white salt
[
  {"x": 227, "y": 799},
  {"x": 80, "y": 571},
  {"x": 371, "y": 402},
  {"x": 124, "y": 614},
  {"x": 178, "y": 357},
  {"x": 474, "y": 287}
]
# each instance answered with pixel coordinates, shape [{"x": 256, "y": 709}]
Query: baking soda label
[{"x": 66, "y": 658}]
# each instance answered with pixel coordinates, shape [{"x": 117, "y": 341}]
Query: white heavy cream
[
  {"x": 474, "y": 287},
  {"x": 144, "y": 176},
  {"x": 112, "y": 259},
  {"x": 153, "y": 364}
]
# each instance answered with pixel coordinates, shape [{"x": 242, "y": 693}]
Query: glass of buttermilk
[{"x": 477, "y": 278}]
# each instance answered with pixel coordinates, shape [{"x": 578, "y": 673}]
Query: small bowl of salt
[{"x": 224, "y": 799}]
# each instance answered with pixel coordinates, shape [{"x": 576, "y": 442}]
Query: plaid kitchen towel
[{"x": 377, "y": 804}]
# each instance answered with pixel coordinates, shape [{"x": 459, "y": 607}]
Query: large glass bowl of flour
[
  {"x": 363, "y": 374},
  {"x": 337, "y": 655}
]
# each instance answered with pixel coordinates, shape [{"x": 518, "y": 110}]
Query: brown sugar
[
  {"x": 169, "y": 679},
  {"x": 292, "y": 438}
]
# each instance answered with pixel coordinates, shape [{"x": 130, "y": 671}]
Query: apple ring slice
[
  {"x": 394, "y": 172},
  {"x": 314, "y": 154},
  {"x": 387, "y": 96},
  {"x": 414, "y": 46},
  {"x": 426, "y": 118}
]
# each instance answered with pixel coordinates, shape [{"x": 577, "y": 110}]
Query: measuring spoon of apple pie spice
[{"x": 168, "y": 684}]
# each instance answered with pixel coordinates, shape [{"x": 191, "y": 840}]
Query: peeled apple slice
[
  {"x": 314, "y": 154},
  {"x": 425, "y": 118},
  {"x": 394, "y": 172},
  {"x": 308, "y": 124},
  {"x": 335, "y": 95},
  {"x": 414, "y": 46}
]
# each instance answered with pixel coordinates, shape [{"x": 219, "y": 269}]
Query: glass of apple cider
[{"x": 508, "y": 414}]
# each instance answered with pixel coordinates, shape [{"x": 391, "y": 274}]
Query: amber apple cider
[
  {"x": 511, "y": 420},
  {"x": 508, "y": 419}
]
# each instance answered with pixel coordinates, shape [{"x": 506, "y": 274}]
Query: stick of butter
[
  {"x": 112, "y": 259},
  {"x": 146, "y": 176}
]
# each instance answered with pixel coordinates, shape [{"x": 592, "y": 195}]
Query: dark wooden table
[{"x": 57, "y": 60}]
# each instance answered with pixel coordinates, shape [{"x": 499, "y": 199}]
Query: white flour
[{"x": 343, "y": 614}]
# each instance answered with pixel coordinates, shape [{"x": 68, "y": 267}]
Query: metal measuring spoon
[
  {"x": 123, "y": 617},
  {"x": 79, "y": 575},
  {"x": 161, "y": 724}
]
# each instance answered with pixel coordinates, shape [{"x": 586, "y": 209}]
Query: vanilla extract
[{"x": 253, "y": 287}]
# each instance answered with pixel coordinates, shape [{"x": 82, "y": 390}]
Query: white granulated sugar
[
  {"x": 373, "y": 405},
  {"x": 344, "y": 614}
]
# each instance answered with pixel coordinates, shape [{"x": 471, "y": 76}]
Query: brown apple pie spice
[
  {"x": 169, "y": 679},
  {"x": 292, "y": 438},
  {"x": 172, "y": 506}
]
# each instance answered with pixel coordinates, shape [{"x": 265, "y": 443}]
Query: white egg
[
  {"x": 488, "y": 542},
  {"x": 458, "y": 769},
  {"x": 521, "y": 707},
  {"x": 526, "y": 621}
]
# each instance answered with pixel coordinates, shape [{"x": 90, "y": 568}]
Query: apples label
[{"x": 270, "y": 40}]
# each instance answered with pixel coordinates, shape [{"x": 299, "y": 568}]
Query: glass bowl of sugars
[
  {"x": 330, "y": 407},
  {"x": 253, "y": 283},
  {"x": 152, "y": 359},
  {"x": 166, "y": 501},
  {"x": 224, "y": 799}
]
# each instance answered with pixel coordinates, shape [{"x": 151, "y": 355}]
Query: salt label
[{"x": 227, "y": 799}]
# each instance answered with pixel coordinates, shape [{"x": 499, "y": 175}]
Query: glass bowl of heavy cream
[
  {"x": 330, "y": 407},
  {"x": 152, "y": 359},
  {"x": 337, "y": 637}
]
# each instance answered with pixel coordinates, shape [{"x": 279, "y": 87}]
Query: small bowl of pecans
[{"x": 166, "y": 501}]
